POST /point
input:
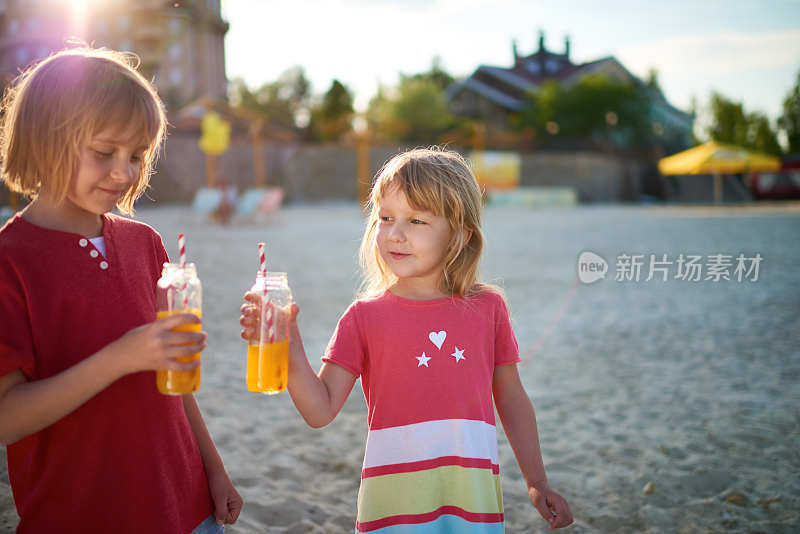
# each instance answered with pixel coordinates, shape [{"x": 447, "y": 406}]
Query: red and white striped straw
[
  {"x": 182, "y": 256},
  {"x": 262, "y": 258},
  {"x": 182, "y": 249}
]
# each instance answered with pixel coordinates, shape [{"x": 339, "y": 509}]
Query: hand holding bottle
[{"x": 155, "y": 346}]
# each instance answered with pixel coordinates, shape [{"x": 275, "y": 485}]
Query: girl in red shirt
[{"x": 91, "y": 444}]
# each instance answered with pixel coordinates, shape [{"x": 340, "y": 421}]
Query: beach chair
[{"x": 260, "y": 201}]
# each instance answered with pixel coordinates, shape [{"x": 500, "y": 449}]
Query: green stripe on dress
[{"x": 472, "y": 489}]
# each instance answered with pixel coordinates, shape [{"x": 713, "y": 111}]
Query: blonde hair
[
  {"x": 439, "y": 181},
  {"x": 57, "y": 105}
]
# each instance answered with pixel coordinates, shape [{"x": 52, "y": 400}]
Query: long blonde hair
[
  {"x": 439, "y": 181},
  {"x": 58, "y": 104}
]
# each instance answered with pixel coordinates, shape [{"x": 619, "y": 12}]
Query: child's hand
[
  {"x": 227, "y": 501},
  {"x": 155, "y": 346},
  {"x": 552, "y": 506},
  {"x": 251, "y": 316}
]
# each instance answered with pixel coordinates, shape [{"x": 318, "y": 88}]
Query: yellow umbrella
[{"x": 717, "y": 159}]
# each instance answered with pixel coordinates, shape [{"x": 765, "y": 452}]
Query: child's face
[
  {"x": 413, "y": 243},
  {"x": 109, "y": 165}
]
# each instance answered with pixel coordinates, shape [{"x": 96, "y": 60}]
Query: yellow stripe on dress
[{"x": 472, "y": 489}]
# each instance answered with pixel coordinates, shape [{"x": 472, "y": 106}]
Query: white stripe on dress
[{"x": 431, "y": 439}]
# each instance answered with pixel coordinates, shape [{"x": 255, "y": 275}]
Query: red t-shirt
[{"x": 126, "y": 460}]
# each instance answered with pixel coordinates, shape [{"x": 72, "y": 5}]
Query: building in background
[
  {"x": 495, "y": 94},
  {"x": 180, "y": 43}
]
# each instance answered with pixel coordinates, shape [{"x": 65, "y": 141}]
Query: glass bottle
[
  {"x": 179, "y": 291},
  {"x": 268, "y": 353}
]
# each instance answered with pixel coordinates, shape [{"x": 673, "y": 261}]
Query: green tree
[
  {"x": 596, "y": 108},
  {"x": 435, "y": 74},
  {"x": 652, "y": 80},
  {"x": 789, "y": 121},
  {"x": 284, "y": 101},
  {"x": 761, "y": 136},
  {"x": 379, "y": 113},
  {"x": 331, "y": 117},
  {"x": 416, "y": 111},
  {"x": 730, "y": 123}
]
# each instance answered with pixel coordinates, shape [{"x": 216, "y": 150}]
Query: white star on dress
[
  {"x": 459, "y": 355},
  {"x": 423, "y": 360}
]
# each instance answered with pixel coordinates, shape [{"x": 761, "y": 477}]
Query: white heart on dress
[{"x": 437, "y": 338}]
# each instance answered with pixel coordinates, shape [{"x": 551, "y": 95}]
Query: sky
[{"x": 747, "y": 50}]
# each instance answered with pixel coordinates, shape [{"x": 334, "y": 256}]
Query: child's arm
[
  {"x": 519, "y": 422},
  {"x": 27, "y": 407},
  {"x": 227, "y": 501},
  {"x": 318, "y": 398}
]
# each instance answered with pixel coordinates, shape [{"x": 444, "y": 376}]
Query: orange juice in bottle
[
  {"x": 179, "y": 291},
  {"x": 268, "y": 354}
]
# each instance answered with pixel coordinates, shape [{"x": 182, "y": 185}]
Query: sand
[{"x": 689, "y": 388}]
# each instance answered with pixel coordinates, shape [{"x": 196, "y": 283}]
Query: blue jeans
[{"x": 209, "y": 526}]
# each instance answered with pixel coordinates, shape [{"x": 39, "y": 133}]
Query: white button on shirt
[
  {"x": 104, "y": 265},
  {"x": 94, "y": 253},
  {"x": 83, "y": 242}
]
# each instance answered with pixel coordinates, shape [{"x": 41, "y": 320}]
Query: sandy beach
[{"x": 691, "y": 389}]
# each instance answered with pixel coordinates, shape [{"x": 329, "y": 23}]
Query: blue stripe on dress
[{"x": 446, "y": 524}]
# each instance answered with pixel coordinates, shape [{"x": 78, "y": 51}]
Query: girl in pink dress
[{"x": 435, "y": 352}]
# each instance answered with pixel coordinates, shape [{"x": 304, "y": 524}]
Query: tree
[
  {"x": 760, "y": 135},
  {"x": 331, "y": 118},
  {"x": 435, "y": 74},
  {"x": 284, "y": 101},
  {"x": 597, "y": 108},
  {"x": 789, "y": 121},
  {"x": 416, "y": 111},
  {"x": 730, "y": 123},
  {"x": 652, "y": 80},
  {"x": 422, "y": 106}
]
